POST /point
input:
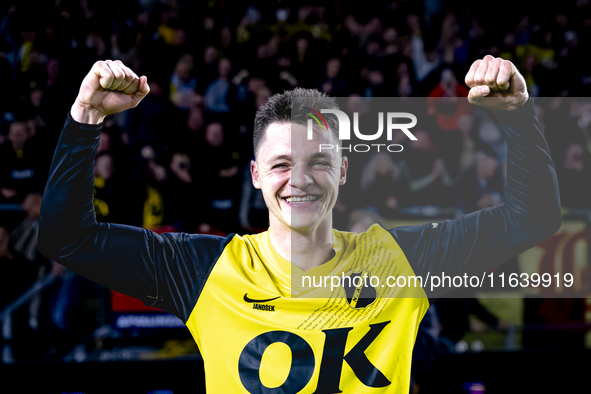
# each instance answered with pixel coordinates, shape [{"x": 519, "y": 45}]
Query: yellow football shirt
[{"x": 261, "y": 331}]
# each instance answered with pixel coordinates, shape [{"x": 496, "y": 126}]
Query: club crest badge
[{"x": 360, "y": 293}]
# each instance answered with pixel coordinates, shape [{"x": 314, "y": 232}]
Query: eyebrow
[
  {"x": 278, "y": 158},
  {"x": 288, "y": 157},
  {"x": 321, "y": 155}
]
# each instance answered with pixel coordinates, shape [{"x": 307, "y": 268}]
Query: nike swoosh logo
[{"x": 259, "y": 301}]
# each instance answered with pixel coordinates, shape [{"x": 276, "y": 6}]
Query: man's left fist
[{"x": 495, "y": 83}]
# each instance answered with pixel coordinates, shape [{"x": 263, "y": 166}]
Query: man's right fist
[{"x": 109, "y": 88}]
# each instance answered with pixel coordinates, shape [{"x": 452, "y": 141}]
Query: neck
[{"x": 304, "y": 248}]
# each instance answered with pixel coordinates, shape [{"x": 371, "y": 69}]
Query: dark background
[{"x": 187, "y": 146}]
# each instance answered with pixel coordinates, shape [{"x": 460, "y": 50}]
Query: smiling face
[{"x": 299, "y": 183}]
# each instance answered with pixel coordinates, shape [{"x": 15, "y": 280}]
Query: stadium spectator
[
  {"x": 155, "y": 117},
  {"x": 383, "y": 185},
  {"x": 18, "y": 167},
  {"x": 182, "y": 83},
  {"x": 24, "y": 236},
  {"x": 207, "y": 68},
  {"x": 332, "y": 83},
  {"x": 216, "y": 95},
  {"x": 24, "y": 240},
  {"x": 425, "y": 60},
  {"x": 180, "y": 194},
  {"x": 104, "y": 195},
  {"x": 375, "y": 84},
  {"x": 486, "y": 131},
  {"x": 426, "y": 172},
  {"x": 219, "y": 166},
  {"x": 447, "y": 103},
  {"x": 150, "y": 186},
  {"x": 574, "y": 171},
  {"x": 572, "y": 148},
  {"x": 404, "y": 85},
  {"x": 481, "y": 186}
]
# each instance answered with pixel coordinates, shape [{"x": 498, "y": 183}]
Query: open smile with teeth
[{"x": 299, "y": 200}]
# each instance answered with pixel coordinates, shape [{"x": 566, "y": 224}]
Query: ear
[
  {"x": 344, "y": 167},
  {"x": 254, "y": 172}
]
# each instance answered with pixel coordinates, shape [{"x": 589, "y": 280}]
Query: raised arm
[
  {"x": 166, "y": 270},
  {"x": 484, "y": 239}
]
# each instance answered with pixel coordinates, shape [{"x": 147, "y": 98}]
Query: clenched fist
[
  {"x": 495, "y": 83},
  {"x": 109, "y": 88}
]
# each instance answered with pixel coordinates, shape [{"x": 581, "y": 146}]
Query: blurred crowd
[{"x": 180, "y": 160}]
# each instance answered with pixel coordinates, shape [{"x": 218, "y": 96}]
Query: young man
[{"x": 258, "y": 328}]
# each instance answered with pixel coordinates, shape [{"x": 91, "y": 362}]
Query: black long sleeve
[
  {"x": 484, "y": 239},
  {"x": 167, "y": 271}
]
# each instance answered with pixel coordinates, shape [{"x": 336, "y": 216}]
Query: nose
[{"x": 300, "y": 176}]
